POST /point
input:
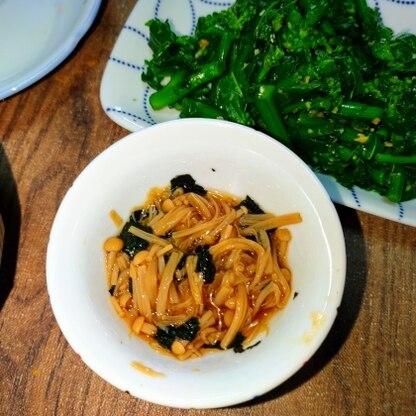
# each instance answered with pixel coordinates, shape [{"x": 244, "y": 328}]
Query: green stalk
[
  {"x": 266, "y": 106},
  {"x": 397, "y": 182},
  {"x": 360, "y": 111},
  {"x": 400, "y": 159}
]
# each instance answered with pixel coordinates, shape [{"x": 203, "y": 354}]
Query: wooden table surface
[{"x": 48, "y": 134}]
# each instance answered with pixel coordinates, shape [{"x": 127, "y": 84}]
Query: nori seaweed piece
[
  {"x": 251, "y": 205},
  {"x": 205, "y": 264},
  {"x": 187, "y": 183},
  {"x": 132, "y": 243},
  {"x": 187, "y": 331}
]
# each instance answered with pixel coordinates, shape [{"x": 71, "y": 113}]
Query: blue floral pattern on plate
[{"x": 124, "y": 96}]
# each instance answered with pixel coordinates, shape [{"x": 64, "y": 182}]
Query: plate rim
[
  {"x": 332, "y": 230},
  {"x": 89, "y": 10}
]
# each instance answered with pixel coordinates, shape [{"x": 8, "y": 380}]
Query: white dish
[
  {"x": 124, "y": 97},
  {"x": 36, "y": 36},
  {"x": 281, "y": 183}
]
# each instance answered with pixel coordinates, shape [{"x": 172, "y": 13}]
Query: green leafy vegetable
[{"x": 326, "y": 78}]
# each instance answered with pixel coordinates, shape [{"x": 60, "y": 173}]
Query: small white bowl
[{"x": 219, "y": 155}]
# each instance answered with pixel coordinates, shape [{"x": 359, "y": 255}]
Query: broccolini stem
[
  {"x": 360, "y": 110},
  {"x": 195, "y": 108},
  {"x": 316, "y": 10},
  {"x": 397, "y": 183},
  {"x": 170, "y": 93},
  {"x": 206, "y": 73},
  {"x": 266, "y": 106},
  {"x": 176, "y": 89},
  {"x": 400, "y": 159}
]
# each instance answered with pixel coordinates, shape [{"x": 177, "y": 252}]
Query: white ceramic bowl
[{"x": 219, "y": 155}]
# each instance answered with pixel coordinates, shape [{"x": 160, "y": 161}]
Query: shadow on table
[
  {"x": 347, "y": 312},
  {"x": 10, "y": 212}
]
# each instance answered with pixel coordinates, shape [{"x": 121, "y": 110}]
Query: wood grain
[{"x": 48, "y": 134}]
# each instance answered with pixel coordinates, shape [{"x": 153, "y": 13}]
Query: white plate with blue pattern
[
  {"x": 124, "y": 97},
  {"x": 36, "y": 36}
]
